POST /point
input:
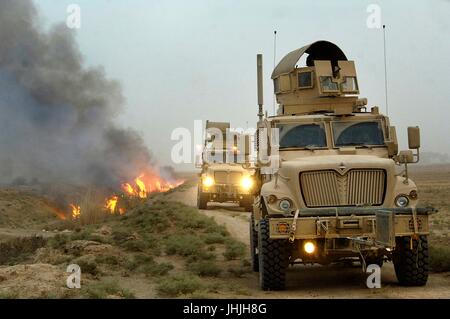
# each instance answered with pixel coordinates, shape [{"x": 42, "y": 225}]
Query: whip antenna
[
  {"x": 274, "y": 61},
  {"x": 385, "y": 71}
]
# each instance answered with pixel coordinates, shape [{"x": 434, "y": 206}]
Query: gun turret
[{"x": 328, "y": 82}]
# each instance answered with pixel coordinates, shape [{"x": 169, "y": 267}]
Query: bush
[
  {"x": 120, "y": 236},
  {"x": 137, "y": 261},
  {"x": 19, "y": 249},
  {"x": 156, "y": 269},
  {"x": 214, "y": 238},
  {"x": 106, "y": 288},
  {"x": 201, "y": 255},
  {"x": 135, "y": 245},
  {"x": 9, "y": 295},
  {"x": 184, "y": 245},
  {"x": 58, "y": 241},
  {"x": 87, "y": 266},
  {"x": 204, "y": 268},
  {"x": 81, "y": 235},
  {"x": 234, "y": 250},
  {"x": 107, "y": 259},
  {"x": 238, "y": 271},
  {"x": 174, "y": 286}
]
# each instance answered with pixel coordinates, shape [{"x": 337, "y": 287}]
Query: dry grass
[{"x": 433, "y": 182}]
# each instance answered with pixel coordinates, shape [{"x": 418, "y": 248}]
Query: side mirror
[
  {"x": 405, "y": 157},
  {"x": 413, "y": 137}
]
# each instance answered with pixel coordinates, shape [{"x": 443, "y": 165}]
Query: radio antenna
[
  {"x": 385, "y": 71},
  {"x": 274, "y": 61}
]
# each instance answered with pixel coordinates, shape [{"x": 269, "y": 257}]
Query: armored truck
[
  {"x": 331, "y": 183},
  {"x": 226, "y": 174}
]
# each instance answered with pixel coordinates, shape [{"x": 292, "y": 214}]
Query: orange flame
[
  {"x": 76, "y": 211},
  {"x": 111, "y": 204},
  {"x": 143, "y": 185},
  {"x": 142, "y": 192},
  {"x": 127, "y": 188},
  {"x": 149, "y": 183}
]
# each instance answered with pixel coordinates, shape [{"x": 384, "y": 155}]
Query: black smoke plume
[{"x": 56, "y": 115}]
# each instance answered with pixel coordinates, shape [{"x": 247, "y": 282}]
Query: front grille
[
  {"x": 227, "y": 177},
  {"x": 356, "y": 187}
]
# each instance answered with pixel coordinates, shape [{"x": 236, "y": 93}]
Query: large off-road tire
[
  {"x": 273, "y": 259},
  {"x": 202, "y": 200},
  {"x": 411, "y": 265},
  {"x": 254, "y": 245}
]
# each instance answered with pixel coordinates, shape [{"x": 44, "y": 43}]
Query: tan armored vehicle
[
  {"x": 226, "y": 175},
  {"x": 332, "y": 185}
]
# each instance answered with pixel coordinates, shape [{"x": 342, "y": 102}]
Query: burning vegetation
[{"x": 140, "y": 188}]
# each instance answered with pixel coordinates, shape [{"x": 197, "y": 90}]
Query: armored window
[
  {"x": 302, "y": 136},
  {"x": 350, "y": 85},
  {"x": 358, "y": 134},
  {"x": 304, "y": 80},
  {"x": 276, "y": 85},
  {"x": 223, "y": 156},
  {"x": 327, "y": 84}
]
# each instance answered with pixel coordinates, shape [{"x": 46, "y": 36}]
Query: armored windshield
[
  {"x": 222, "y": 156},
  {"x": 302, "y": 135},
  {"x": 357, "y": 134}
]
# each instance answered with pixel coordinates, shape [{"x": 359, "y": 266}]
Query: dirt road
[{"x": 318, "y": 281}]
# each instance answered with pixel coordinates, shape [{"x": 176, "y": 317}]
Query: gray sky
[{"x": 179, "y": 61}]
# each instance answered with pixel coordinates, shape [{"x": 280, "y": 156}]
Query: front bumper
[
  {"x": 225, "y": 192},
  {"x": 353, "y": 222}
]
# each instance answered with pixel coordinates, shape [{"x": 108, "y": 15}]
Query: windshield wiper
[
  {"x": 307, "y": 147},
  {"x": 355, "y": 144},
  {"x": 311, "y": 147}
]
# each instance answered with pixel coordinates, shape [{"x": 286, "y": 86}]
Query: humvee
[
  {"x": 226, "y": 175},
  {"x": 331, "y": 184}
]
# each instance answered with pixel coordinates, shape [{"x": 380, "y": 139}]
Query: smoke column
[{"x": 56, "y": 116}]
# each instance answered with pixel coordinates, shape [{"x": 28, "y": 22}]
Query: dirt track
[{"x": 319, "y": 281}]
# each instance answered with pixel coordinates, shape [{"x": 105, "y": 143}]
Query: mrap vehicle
[
  {"x": 226, "y": 175},
  {"x": 331, "y": 183}
]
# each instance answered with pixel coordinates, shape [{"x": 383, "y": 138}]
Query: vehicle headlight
[
  {"x": 309, "y": 247},
  {"x": 246, "y": 183},
  {"x": 208, "y": 181},
  {"x": 401, "y": 201},
  {"x": 285, "y": 204}
]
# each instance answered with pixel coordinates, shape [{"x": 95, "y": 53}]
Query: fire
[
  {"x": 141, "y": 187},
  {"x": 149, "y": 183},
  {"x": 111, "y": 204},
  {"x": 76, "y": 211},
  {"x": 127, "y": 188},
  {"x": 142, "y": 193}
]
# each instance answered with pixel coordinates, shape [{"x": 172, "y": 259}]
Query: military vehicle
[
  {"x": 331, "y": 184},
  {"x": 226, "y": 174}
]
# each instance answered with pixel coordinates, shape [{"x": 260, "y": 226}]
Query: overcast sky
[{"x": 179, "y": 61}]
